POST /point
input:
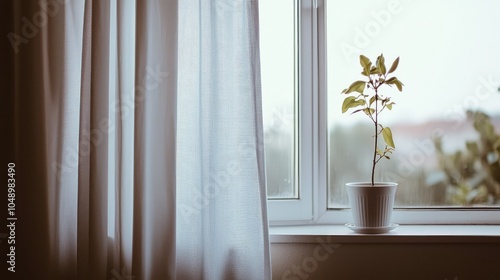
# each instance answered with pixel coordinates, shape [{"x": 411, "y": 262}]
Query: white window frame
[
  {"x": 301, "y": 210},
  {"x": 312, "y": 205}
]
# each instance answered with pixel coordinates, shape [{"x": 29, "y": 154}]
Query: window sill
[{"x": 402, "y": 234}]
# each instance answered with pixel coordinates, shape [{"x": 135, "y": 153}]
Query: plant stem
[{"x": 376, "y": 136}]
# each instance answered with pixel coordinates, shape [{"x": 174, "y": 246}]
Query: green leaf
[
  {"x": 379, "y": 152},
  {"x": 347, "y": 103},
  {"x": 394, "y": 65},
  {"x": 366, "y": 64},
  {"x": 389, "y": 106},
  {"x": 372, "y": 99},
  {"x": 398, "y": 84},
  {"x": 357, "y": 86},
  {"x": 365, "y": 61},
  {"x": 381, "y": 64},
  {"x": 390, "y": 80},
  {"x": 369, "y": 111},
  {"x": 356, "y": 111},
  {"x": 351, "y": 102},
  {"x": 359, "y": 102},
  {"x": 395, "y": 81},
  {"x": 387, "y": 134},
  {"x": 374, "y": 70}
]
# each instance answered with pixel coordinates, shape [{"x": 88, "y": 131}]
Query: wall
[{"x": 386, "y": 261}]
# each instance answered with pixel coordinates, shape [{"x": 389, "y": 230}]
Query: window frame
[
  {"x": 312, "y": 205},
  {"x": 301, "y": 210}
]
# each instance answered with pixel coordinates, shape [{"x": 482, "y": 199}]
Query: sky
[{"x": 449, "y": 54}]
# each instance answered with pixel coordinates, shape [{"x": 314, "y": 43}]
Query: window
[
  {"x": 286, "y": 43},
  {"x": 446, "y": 122},
  {"x": 449, "y": 65},
  {"x": 279, "y": 59}
]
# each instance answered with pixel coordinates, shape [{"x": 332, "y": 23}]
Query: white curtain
[
  {"x": 140, "y": 123},
  {"x": 221, "y": 221}
]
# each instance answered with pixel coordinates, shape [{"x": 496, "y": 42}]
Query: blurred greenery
[{"x": 473, "y": 173}]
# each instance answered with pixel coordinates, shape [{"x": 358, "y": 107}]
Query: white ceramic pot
[{"x": 371, "y": 206}]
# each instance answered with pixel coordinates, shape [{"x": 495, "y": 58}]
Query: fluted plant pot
[{"x": 371, "y": 206}]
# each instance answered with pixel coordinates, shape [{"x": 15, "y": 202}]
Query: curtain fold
[
  {"x": 138, "y": 131},
  {"x": 221, "y": 187},
  {"x": 93, "y": 143},
  {"x": 155, "y": 140},
  {"x": 122, "y": 112}
]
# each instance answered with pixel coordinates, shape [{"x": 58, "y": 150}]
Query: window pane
[
  {"x": 450, "y": 65},
  {"x": 278, "y": 68}
]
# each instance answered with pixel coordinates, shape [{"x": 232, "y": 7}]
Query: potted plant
[{"x": 372, "y": 202}]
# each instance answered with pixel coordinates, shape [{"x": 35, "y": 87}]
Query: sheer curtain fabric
[{"x": 138, "y": 139}]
